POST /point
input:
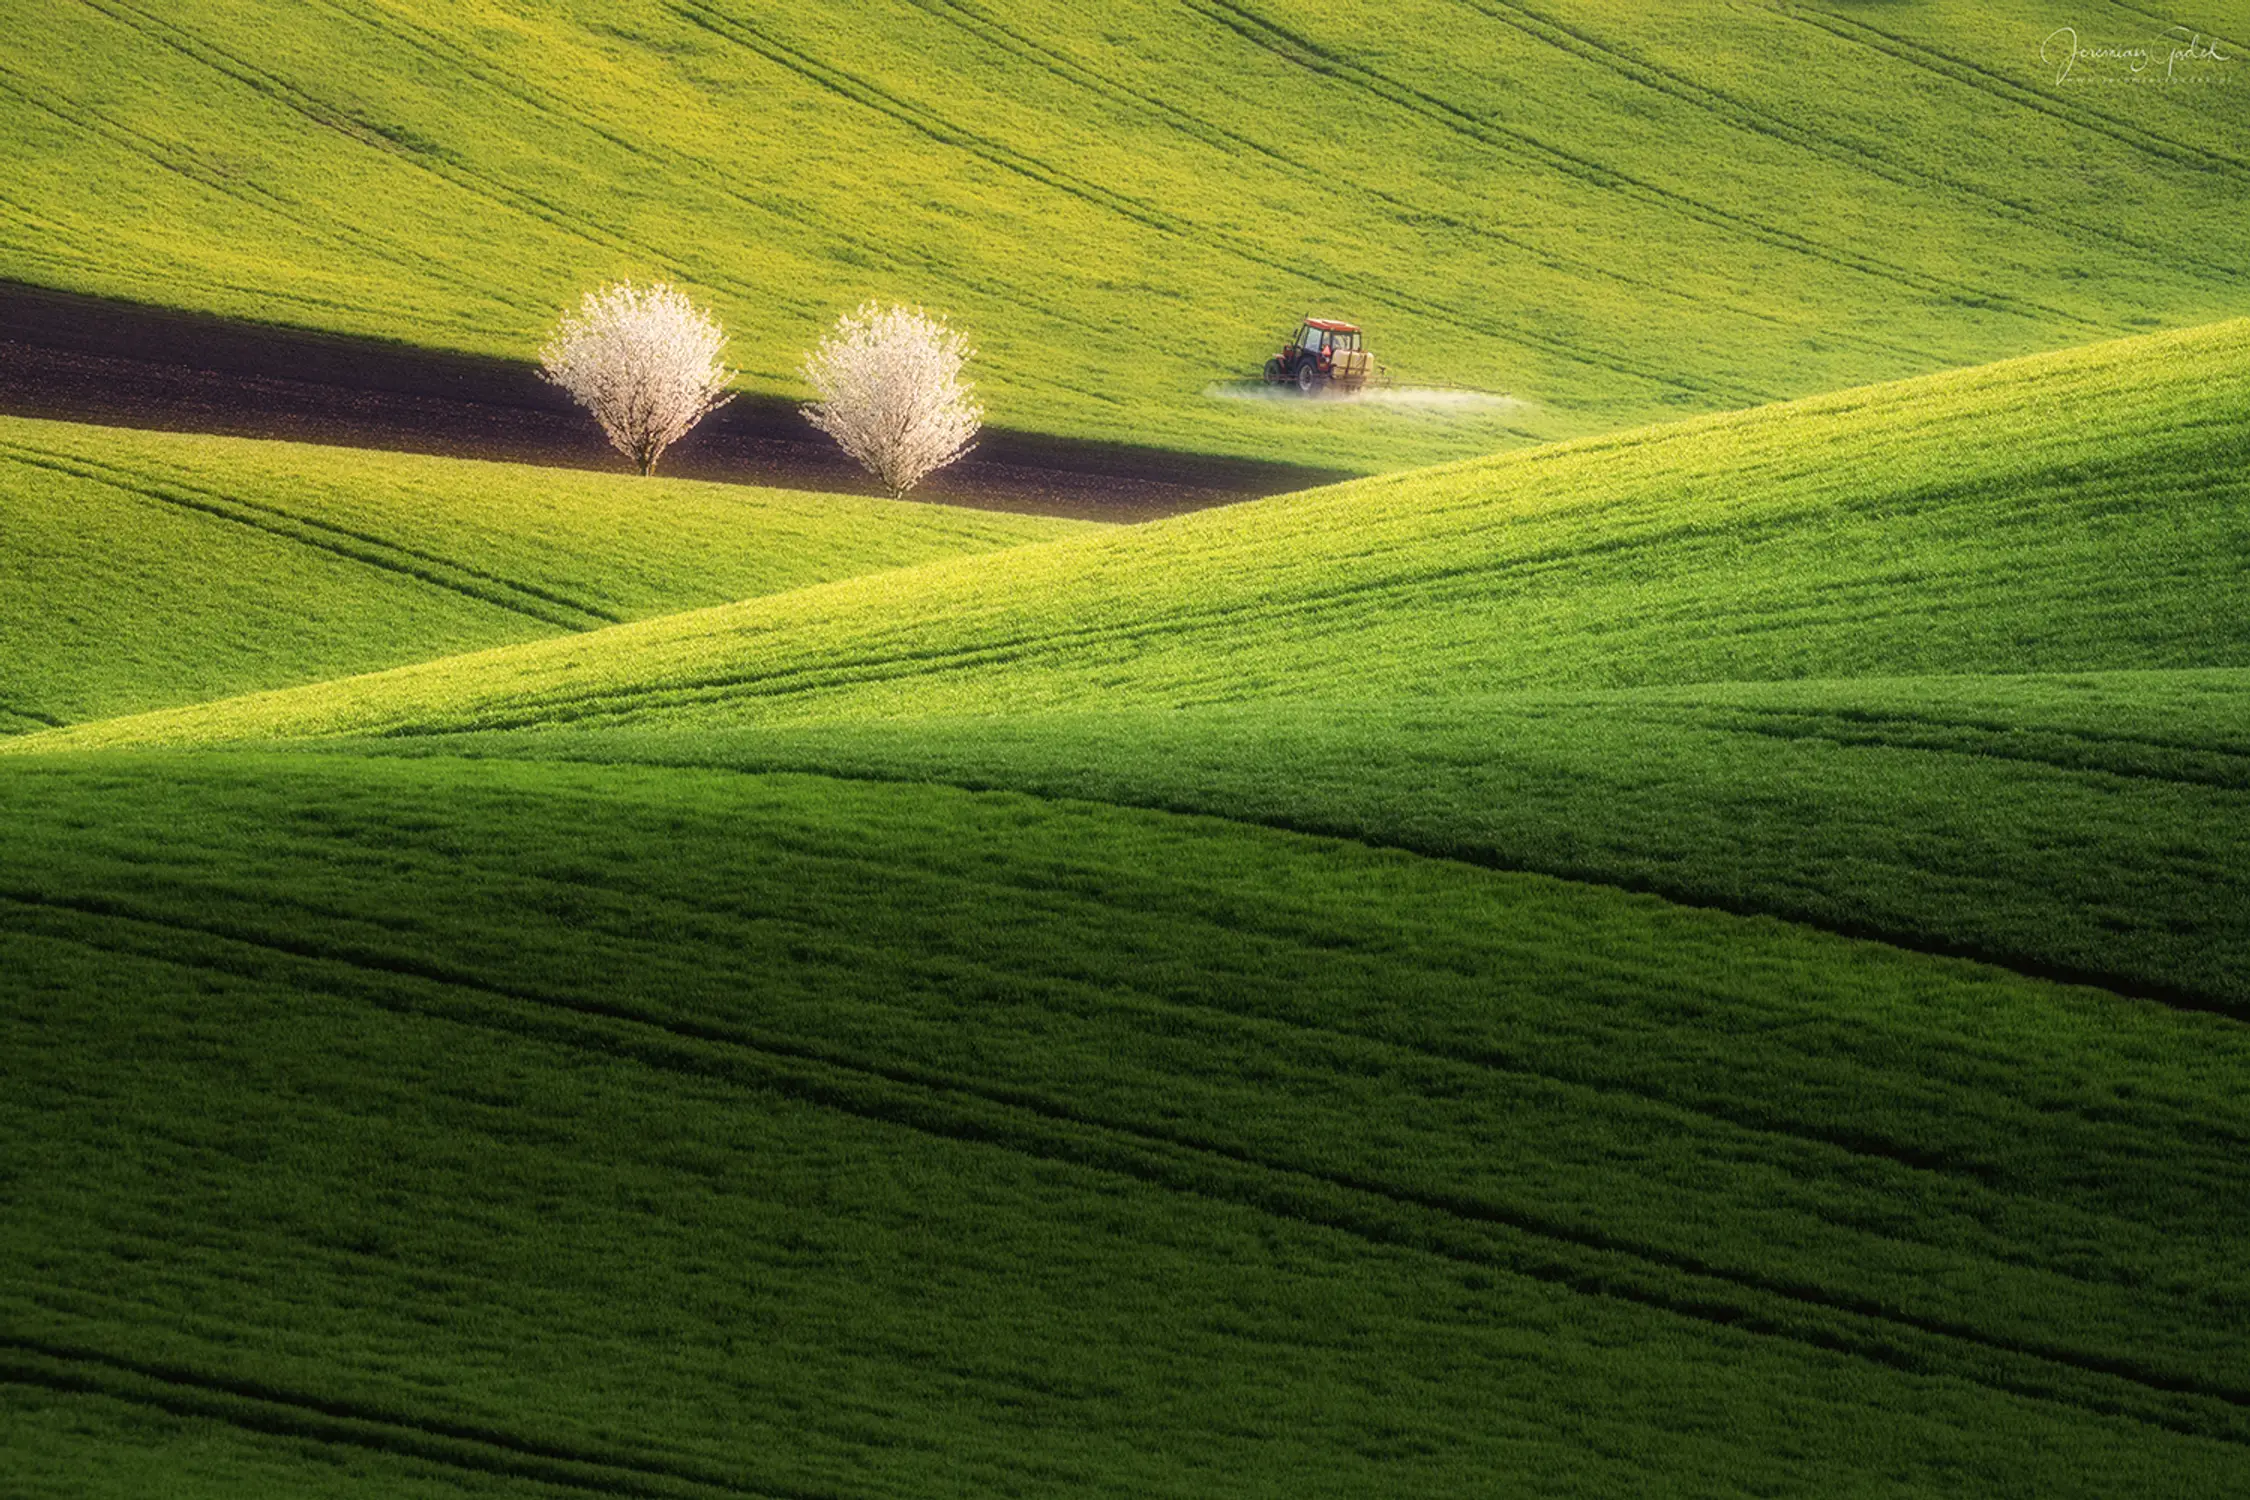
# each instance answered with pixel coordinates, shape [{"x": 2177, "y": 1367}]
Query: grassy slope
[
  {"x": 2068, "y": 512},
  {"x": 2089, "y": 825},
  {"x": 1614, "y": 212},
  {"x": 1344, "y": 661},
  {"x": 1015, "y": 1141},
  {"x": 144, "y": 569},
  {"x": 715, "y": 1133}
]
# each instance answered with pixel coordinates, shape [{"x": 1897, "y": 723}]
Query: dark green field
[
  {"x": 1700, "y": 947},
  {"x": 778, "y": 1135}
]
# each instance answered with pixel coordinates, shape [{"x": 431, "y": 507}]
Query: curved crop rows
[
  {"x": 1980, "y": 816},
  {"x": 1567, "y": 202},
  {"x": 1310, "y": 1062},
  {"x": 1553, "y": 637},
  {"x": 1706, "y": 957},
  {"x": 1946, "y": 525},
  {"x": 144, "y": 568}
]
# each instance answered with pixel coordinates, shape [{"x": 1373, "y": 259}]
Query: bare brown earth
[{"x": 88, "y": 359}]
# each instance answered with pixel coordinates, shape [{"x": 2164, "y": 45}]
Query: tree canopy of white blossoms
[
  {"x": 646, "y": 364},
  {"x": 891, "y": 393}
]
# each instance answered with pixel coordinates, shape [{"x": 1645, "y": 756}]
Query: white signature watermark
[{"x": 2175, "y": 53}]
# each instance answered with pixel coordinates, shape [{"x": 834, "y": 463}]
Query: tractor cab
[{"x": 1322, "y": 353}]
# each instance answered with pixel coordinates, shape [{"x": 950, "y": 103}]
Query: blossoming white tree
[
  {"x": 891, "y": 393},
  {"x": 646, "y": 364}
]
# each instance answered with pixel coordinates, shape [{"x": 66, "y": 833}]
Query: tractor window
[
  {"x": 1347, "y": 341},
  {"x": 1311, "y": 340}
]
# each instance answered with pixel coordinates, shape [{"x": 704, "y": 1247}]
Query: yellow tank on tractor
[{"x": 1322, "y": 355}]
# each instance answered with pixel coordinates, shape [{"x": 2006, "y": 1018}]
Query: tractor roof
[{"x": 1327, "y": 326}]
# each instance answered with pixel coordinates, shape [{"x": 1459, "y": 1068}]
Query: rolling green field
[
  {"x": 1610, "y": 213},
  {"x": 460, "y": 1128},
  {"x": 148, "y": 569},
  {"x": 2082, "y": 825},
  {"x": 1701, "y": 960},
  {"x": 2071, "y": 512},
  {"x": 1696, "y": 944}
]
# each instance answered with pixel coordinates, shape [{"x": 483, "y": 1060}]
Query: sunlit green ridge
[
  {"x": 141, "y": 569},
  {"x": 2066, "y": 512}
]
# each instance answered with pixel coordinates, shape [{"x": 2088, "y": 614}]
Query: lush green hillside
[
  {"x": 1612, "y": 212},
  {"x": 437, "y": 1127},
  {"x": 2071, "y": 512},
  {"x": 2083, "y": 825},
  {"x": 1698, "y": 960},
  {"x": 1491, "y": 661},
  {"x": 142, "y": 569}
]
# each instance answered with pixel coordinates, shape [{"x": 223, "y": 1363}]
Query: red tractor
[{"x": 1322, "y": 353}]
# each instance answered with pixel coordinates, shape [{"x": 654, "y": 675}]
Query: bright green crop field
[
  {"x": 1705, "y": 960},
  {"x": 1688, "y": 934},
  {"x": 142, "y": 569},
  {"x": 1607, "y": 213},
  {"x": 2068, "y": 512}
]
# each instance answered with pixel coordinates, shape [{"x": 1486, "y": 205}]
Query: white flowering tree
[
  {"x": 645, "y": 363},
  {"x": 891, "y": 393}
]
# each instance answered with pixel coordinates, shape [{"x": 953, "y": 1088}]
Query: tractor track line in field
[
  {"x": 1294, "y": 47},
  {"x": 2165, "y": 21},
  {"x": 857, "y": 90},
  {"x": 1230, "y": 142},
  {"x": 20, "y": 218},
  {"x": 119, "y": 476},
  {"x": 34, "y": 715},
  {"x": 257, "y": 1406},
  {"x": 1455, "y": 1227},
  {"x": 1889, "y": 731},
  {"x": 304, "y": 533},
  {"x": 712, "y": 176},
  {"x": 168, "y": 157},
  {"x": 2233, "y": 750},
  {"x": 279, "y": 91},
  {"x": 1747, "y": 116},
  {"x": 1984, "y": 80},
  {"x": 1836, "y": 923}
]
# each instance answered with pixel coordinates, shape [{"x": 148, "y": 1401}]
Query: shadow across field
[{"x": 90, "y": 359}]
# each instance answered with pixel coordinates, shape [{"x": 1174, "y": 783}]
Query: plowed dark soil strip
[{"x": 90, "y": 359}]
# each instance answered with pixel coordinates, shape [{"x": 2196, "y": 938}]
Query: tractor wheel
[
  {"x": 1275, "y": 375},
  {"x": 1308, "y": 377}
]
